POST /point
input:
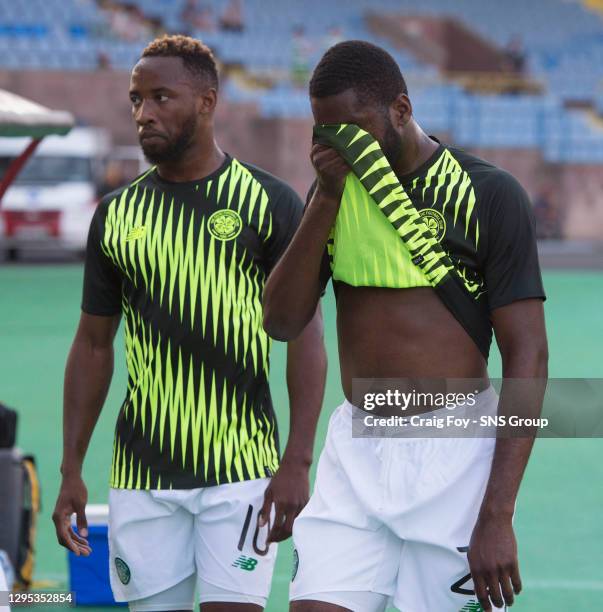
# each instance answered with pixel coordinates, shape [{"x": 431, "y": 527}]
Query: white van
[{"x": 53, "y": 198}]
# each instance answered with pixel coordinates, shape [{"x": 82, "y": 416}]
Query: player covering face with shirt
[{"x": 430, "y": 251}]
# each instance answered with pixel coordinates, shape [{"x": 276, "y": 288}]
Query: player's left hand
[
  {"x": 492, "y": 557},
  {"x": 289, "y": 491}
]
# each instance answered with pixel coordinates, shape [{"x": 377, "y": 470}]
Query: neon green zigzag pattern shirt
[
  {"x": 185, "y": 264},
  {"x": 457, "y": 224}
]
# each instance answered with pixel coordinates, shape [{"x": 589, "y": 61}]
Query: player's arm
[
  {"x": 515, "y": 295},
  {"x": 293, "y": 289},
  {"x": 289, "y": 489},
  {"x": 521, "y": 337},
  {"x": 87, "y": 379}
]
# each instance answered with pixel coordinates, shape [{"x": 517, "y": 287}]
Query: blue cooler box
[{"x": 89, "y": 576}]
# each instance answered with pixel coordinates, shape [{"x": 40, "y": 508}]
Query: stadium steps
[{"x": 460, "y": 53}]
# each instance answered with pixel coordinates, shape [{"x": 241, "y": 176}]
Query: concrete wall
[{"x": 581, "y": 190}]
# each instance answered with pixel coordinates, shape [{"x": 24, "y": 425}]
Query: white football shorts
[
  {"x": 390, "y": 519},
  {"x": 159, "y": 539}
]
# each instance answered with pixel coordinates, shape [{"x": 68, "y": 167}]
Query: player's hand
[
  {"x": 72, "y": 498},
  {"x": 492, "y": 557},
  {"x": 289, "y": 491},
  {"x": 331, "y": 171}
]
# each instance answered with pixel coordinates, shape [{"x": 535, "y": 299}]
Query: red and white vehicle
[{"x": 49, "y": 174}]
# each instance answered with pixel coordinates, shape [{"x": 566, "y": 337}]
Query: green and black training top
[
  {"x": 185, "y": 263},
  {"x": 457, "y": 224}
]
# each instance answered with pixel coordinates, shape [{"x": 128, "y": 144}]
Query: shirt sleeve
[
  {"x": 102, "y": 279},
  {"x": 325, "y": 263},
  {"x": 286, "y": 214},
  {"x": 512, "y": 270}
]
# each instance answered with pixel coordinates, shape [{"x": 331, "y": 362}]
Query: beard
[
  {"x": 171, "y": 150},
  {"x": 391, "y": 144}
]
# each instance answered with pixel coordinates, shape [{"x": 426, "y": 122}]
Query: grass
[{"x": 558, "y": 519}]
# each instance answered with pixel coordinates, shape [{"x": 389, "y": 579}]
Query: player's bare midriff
[{"x": 403, "y": 333}]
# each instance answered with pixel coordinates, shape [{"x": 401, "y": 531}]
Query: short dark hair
[
  {"x": 198, "y": 58},
  {"x": 356, "y": 64}
]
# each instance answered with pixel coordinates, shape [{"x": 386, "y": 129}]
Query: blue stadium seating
[{"x": 563, "y": 44}]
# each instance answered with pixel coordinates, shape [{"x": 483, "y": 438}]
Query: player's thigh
[
  {"x": 232, "y": 557},
  {"x": 150, "y": 544},
  {"x": 315, "y": 606}
]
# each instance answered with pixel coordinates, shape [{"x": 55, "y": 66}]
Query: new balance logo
[
  {"x": 472, "y": 606},
  {"x": 136, "y": 233},
  {"x": 245, "y": 563}
]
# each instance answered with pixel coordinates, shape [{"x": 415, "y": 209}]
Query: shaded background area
[{"x": 558, "y": 517}]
